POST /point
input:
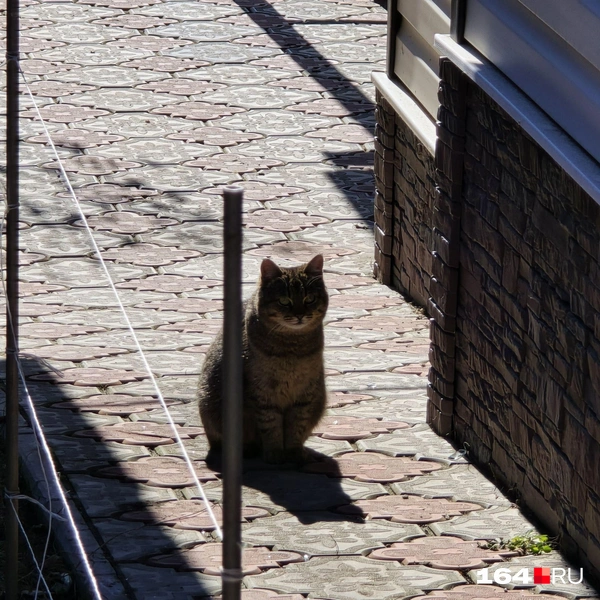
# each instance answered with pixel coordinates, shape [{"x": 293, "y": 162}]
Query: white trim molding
[
  {"x": 584, "y": 170},
  {"x": 403, "y": 103}
]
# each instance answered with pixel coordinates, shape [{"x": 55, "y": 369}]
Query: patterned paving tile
[
  {"x": 77, "y": 455},
  {"x": 139, "y": 433},
  {"x": 442, "y": 553},
  {"x": 376, "y": 468},
  {"x": 155, "y": 152},
  {"x": 243, "y": 74},
  {"x": 287, "y": 123},
  {"x": 198, "y": 111},
  {"x": 384, "y": 323},
  {"x": 148, "y": 254},
  {"x": 460, "y": 482},
  {"x": 164, "y": 64},
  {"x": 188, "y": 514},
  {"x": 79, "y": 32},
  {"x": 145, "y": 581},
  {"x": 188, "y": 11},
  {"x": 106, "y": 497},
  {"x": 297, "y": 493},
  {"x": 263, "y": 192},
  {"x": 278, "y": 220},
  {"x": 419, "y": 440},
  {"x": 151, "y": 43},
  {"x": 74, "y": 353},
  {"x": 122, "y": 101},
  {"x": 92, "y": 54},
  {"x": 128, "y": 541},
  {"x": 409, "y": 509},
  {"x": 206, "y": 32},
  {"x": 157, "y": 471},
  {"x": 63, "y": 113},
  {"x": 259, "y": 96},
  {"x": 66, "y": 13},
  {"x": 327, "y": 535},
  {"x": 66, "y": 240},
  {"x": 340, "y": 427},
  {"x": 133, "y": 21},
  {"x": 234, "y": 163},
  {"x": 170, "y": 283},
  {"x": 137, "y": 125},
  {"x": 112, "y": 404},
  {"x": 207, "y": 558},
  {"x": 295, "y": 149},
  {"x": 353, "y": 578},
  {"x": 330, "y": 107},
  {"x": 495, "y": 523},
  {"x": 91, "y": 376},
  {"x": 220, "y": 52},
  {"x": 55, "y": 330},
  {"x": 54, "y": 89},
  {"x": 215, "y": 136},
  {"x": 108, "y": 76},
  {"x": 208, "y": 238},
  {"x": 76, "y": 138},
  {"x": 173, "y": 178},
  {"x": 128, "y": 222}
]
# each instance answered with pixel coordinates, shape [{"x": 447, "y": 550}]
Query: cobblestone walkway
[{"x": 153, "y": 107}]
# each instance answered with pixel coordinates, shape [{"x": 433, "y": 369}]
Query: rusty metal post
[{"x": 12, "y": 299}]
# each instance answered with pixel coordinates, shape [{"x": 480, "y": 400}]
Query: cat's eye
[
  {"x": 309, "y": 298},
  {"x": 285, "y": 301}
]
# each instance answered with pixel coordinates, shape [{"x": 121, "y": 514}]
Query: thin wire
[
  {"x": 42, "y": 465},
  {"x": 33, "y": 501},
  {"x": 41, "y": 441},
  {"x": 35, "y": 562},
  {"x": 125, "y": 316}
]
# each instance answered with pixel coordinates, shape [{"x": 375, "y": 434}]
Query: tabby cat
[{"x": 284, "y": 379}]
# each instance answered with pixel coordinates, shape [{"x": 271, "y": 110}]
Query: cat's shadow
[{"x": 308, "y": 496}]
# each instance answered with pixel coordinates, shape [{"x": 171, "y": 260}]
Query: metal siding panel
[
  {"x": 547, "y": 69},
  {"x": 416, "y": 65},
  {"x": 426, "y": 17},
  {"x": 575, "y": 21}
]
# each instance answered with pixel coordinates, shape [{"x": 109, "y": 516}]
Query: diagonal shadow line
[{"x": 307, "y": 63}]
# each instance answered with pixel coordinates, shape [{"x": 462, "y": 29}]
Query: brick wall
[
  {"x": 404, "y": 176},
  {"x": 515, "y": 306}
]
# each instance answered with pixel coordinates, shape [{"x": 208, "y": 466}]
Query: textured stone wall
[
  {"x": 515, "y": 301},
  {"x": 404, "y": 176}
]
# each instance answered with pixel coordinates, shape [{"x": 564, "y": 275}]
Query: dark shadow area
[
  {"x": 305, "y": 495},
  {"x": 356, "y": 174},
  {"x": 113, "y": 546},
  {"x": 296, "y": 46}
]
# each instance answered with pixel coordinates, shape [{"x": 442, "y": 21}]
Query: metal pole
[
  {"x": 232, "y": 396},
  {"x": 458, "y": 16},
  {"x": 12, "y": 292}
]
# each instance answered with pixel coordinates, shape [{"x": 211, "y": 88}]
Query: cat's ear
[
  {"x": 314, "y": 268},
  {"x": 269, "y": 270}
]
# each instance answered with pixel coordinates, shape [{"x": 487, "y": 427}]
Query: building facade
[{"x": 487, "y": 214}]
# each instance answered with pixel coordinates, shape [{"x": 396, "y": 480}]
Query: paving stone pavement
[{"x": 154, "y": 106}]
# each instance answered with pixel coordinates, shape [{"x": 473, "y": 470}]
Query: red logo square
[{"x": 541, "y": 575}]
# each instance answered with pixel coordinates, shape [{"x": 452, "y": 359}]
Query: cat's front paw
[{"x": 274, "y": 456}]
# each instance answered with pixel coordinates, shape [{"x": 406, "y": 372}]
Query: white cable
[
  {"x": 41, "y": 440},
  {"x": 35, "y": 562},
  {"x": 126, "y": 317}
]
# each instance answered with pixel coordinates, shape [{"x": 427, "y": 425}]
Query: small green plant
[{"x": 530, "y": 543}]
